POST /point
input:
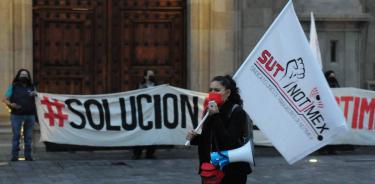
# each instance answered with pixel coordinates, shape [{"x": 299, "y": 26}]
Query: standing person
[
  {"x": 332, "y": 149},
  {"x": 331, "y": 79},
  {"x": 223, "y": 129},
  {"x": 149, "y": 80},
  {"x": 19, "y": 97}
]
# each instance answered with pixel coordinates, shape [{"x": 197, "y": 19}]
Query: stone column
[
  {"x": 6, "y": 49},
  {"x": 222, "y": 53},
  {"x": 23, "y": 32},
  {"x": 198, "y": 44},
  {"x": 15, "y": 41},
  {"x": 211, "y": 41}
]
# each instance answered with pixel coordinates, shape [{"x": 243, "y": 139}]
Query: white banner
[
  {"x": 358, "y": 106},
  {"x": 285, "y": 92},
  {"x": 160, "y": 115}
]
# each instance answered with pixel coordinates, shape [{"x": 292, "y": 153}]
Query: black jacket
[{"x": 220, "y": 132}]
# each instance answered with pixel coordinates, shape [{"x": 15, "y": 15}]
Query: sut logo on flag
[{"x": 301, "y": 104}]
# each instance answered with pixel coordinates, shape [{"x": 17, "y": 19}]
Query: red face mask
[{"x": 213, "y": 96}]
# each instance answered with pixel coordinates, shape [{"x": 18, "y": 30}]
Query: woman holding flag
[{"x": 223, "y": 129}]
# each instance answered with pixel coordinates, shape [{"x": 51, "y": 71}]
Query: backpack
[{"x": 247, "y": 129}]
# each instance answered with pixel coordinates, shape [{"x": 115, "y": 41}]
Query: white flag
[
  {"x": 285, "y": 92},
  {"x": 314, "y": 43}
]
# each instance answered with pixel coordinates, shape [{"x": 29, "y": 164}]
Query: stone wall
[
  {"x": 368, "y": 64},
  {"x": 211, "y": 40},
  {"x": 349, "y": 23},
  {"x": 221, "y": 34}
]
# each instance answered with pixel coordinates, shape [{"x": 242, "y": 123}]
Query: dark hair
[
  {"x": 332, "y": 81},
  {"x": 144, "y": 75},
  {"x": 145, "y": 72},
  {"x": 328, "y": 73},
  {"x": 16, "y": 79},
  {"x": 228, "y": 82}
]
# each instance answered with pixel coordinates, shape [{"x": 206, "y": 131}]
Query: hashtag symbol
[{"x": 51, "y": 115}]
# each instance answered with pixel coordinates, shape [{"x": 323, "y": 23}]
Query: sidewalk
[{"x": 179, "y": 166}]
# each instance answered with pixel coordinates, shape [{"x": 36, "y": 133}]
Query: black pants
[
  {"x": 150, "y": 150},
  {"x": 234, "y": 178}
]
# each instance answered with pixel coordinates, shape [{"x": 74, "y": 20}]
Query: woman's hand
[
  {"x": 33, "y": 93},
  {"x": 14, "y": 106},
  {"x": 191, "y": 134},
  {"x": 212, "y": 107}
]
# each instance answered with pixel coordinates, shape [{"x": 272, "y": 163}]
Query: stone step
[
  {"x": 6, "y": 138},
  {"x": 4, "y": 122},
  {"x": 8, "y": 128},
  {"x": 5, "y": 135},
  {"x": 7, "y": 147},
  {"x": 5, "y": 125}
]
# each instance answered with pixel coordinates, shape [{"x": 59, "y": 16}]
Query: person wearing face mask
[
  {"x": 19, "y": 97},
  {"x": 223, "y": 129},
  {"x": 149, "y": 80},
  {"x": 331, "y": 79},
  {"x": 332, "y": 149}
]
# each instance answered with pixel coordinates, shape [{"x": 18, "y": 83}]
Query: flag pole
[{"x": 187, "y": 143}]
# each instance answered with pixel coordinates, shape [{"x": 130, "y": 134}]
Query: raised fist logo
[{"x": 295, "y": 69}]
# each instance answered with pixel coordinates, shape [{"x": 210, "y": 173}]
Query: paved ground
[{"x": 179, "y": 166}]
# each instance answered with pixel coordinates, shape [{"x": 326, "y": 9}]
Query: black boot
[
  {"x": 14, "y": 158},
  {"x": 29, "y": 158}
]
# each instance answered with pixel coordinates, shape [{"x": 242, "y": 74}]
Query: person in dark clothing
[
  {"x": 223, "y": 129},
  {"x": 331, "y": 79},
  {"x": 148, "y": 81},
  {"x": 19, "y": 97},
  {"x": 332, "y": 149}
]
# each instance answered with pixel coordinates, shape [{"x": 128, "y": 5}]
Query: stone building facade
[{"x": 221, "y": 33}]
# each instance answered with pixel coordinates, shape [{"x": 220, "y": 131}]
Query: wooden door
[
  {"x": 69, "y": 46},
  {"x": 148, "y": 35},
  {"x": 101, "y": 46}
]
